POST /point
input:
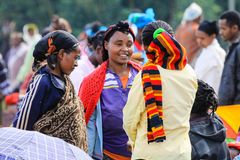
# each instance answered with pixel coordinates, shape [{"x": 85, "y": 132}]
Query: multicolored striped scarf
[{"x": 166, "y": 52}]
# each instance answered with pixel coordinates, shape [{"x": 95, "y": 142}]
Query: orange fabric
[
  {"x": 230, "y": 115},
  {"x": 230, "y": 132},
  {"x": 124, "y": 81},
  {"x": 115, "y": 156},
  {"x": 12, "y": 98}
]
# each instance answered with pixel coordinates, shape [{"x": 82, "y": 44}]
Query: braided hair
[
  {"x": 148, "y": 30},
  {"x": 121, "y": 26},
  {"x": 96, "y": 40},
  {"x": 206, "y": 98}
]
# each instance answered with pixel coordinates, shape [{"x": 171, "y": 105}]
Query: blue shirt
[
  {"x": 113, "y": 99},
  {"x": 43, "y": 94}
]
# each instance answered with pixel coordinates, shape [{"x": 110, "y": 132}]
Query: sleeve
[
  {"x": 32, "y": 105},
  {"x": 230, "y": 82},
  {"x": 91, "y": 130},
  {"x": 133, "y": 109}
]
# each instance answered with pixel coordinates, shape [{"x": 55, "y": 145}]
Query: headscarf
[
  {"x": 52, "y": 43},
  {"x": 166, "y": 52}
]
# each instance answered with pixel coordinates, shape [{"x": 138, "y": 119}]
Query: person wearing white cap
[
  {"x": 185, "y": 32},
  {"x": 192, "y": 12}
]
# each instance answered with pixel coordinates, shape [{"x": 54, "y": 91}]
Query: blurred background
[{"x": 81, "y": 12}]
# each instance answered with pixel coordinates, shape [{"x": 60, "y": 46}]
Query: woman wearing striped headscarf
[{"x": 156, "y": 116}]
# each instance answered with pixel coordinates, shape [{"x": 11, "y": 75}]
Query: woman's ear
[
  {"x": 106, "y": 45},
  {"x": 61, "y": 54}
]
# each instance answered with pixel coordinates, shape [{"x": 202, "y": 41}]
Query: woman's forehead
[
  {"x": 77, "y": 50},
  {"x": 121, "y": 36}
]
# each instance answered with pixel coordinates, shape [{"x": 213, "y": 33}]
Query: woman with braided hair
[
  {"x": 104, "y": 93},
  {"x": 156, "y": 116},
  {"x": 207, "y": 133},
  {"x": 50, "y": 105}
]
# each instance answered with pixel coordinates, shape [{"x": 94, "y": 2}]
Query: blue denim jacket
[{"x": 95, "y": 134}]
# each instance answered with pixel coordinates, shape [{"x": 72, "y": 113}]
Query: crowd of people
[{"x": 133, "y": 90}]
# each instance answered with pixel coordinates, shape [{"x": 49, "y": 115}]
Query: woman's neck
[
  {"x": 55, "y": 71},
  {"x": 119, "y": 69}
]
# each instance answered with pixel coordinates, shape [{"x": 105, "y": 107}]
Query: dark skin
[
  {"x": 66, "y": 62},
  {"x": 96, "y": 57},
  {"x": 120, "y": 50}
]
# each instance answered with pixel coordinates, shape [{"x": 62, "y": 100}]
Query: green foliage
[{"x": 81, "y": 12}]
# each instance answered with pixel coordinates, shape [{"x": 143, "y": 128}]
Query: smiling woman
[
  {"x": 120, "y": 48},
  {"x": 104, "y": 93}
]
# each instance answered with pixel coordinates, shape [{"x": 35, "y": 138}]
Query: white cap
[{"x": 192, "y": 12}]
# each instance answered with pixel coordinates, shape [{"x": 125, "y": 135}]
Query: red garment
[
  {"x": 92, "y": 86},
  {"x": 235, "y": 145},
  {"x": 12, "y": 98}
]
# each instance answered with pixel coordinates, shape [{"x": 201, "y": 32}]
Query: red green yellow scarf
[{"x": 166, "y": 52}]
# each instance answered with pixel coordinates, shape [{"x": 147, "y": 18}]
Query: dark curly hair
[
  {"x": 205, "y": 99},
  {"x": 209, "y": 28},
  {"x": 121, "y": 26},
  {"x": 96, "y": 40},
  {"x": 148, "y": 30},
  {"x": 232, "y": 18}
]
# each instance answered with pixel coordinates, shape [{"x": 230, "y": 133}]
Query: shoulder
[
  {"x": 98, "y": 72},
  {"x": 237, "y": 49},
  {"x": 40, "y": 81},
  {"x": 135, "y": 65},
  {"x": 95, "y": 78}
]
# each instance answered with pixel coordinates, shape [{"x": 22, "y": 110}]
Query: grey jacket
[{"x": 229, "y": 91}]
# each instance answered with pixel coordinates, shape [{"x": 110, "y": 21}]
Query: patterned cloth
[
  {"x": 18, "y": 144},
  {"x": 66, "y": 120},
  {"x": 166, "y": 52}
]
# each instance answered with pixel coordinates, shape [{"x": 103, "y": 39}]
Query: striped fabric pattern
[
  {"x": 166, "y": 52},
  {"x": 24, "y": 115},
  {"x": 111, "y": 82}
]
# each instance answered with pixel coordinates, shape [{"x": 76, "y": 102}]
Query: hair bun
[{"x": 123, "y": 25}]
